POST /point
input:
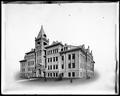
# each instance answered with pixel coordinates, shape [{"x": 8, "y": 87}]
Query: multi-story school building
[{"x": 56, "y": 60}]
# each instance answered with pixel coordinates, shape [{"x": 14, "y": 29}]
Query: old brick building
[{"x": 56, "y": 60}]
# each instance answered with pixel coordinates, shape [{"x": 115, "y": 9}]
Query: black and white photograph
[{"x": 60, "y": 48}]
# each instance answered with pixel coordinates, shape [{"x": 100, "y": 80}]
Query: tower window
[
  {"x": 44, "y": 35},
  {"x": 44, "y": 43},
  {"x": 38, "y": 43}
]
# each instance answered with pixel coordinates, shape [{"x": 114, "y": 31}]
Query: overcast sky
[{"x": 91, "y": 24}]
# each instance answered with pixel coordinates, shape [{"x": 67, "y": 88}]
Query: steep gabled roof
[{"x": 41, "y": 33}]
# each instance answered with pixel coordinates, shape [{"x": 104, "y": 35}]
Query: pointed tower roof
[{"x": 41, "y": 33}]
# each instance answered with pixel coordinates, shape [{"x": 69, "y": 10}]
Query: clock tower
[{"x": 40, "y": 42}]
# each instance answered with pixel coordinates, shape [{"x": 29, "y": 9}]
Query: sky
[{"x": 91, "y": 24}]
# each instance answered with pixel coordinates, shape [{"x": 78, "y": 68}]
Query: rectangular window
[
  {"x": 53, "y": 59},
  {"x": 54, "y": 74},
  {"x": 48, "y": 59},
  {"x": 73, "y": 56},
  {"x": 57, "y": 50},
  {"x": 23, "y": 64},
  {"x": 51, "y": 67},
  {"x": 69, "y": 74},
  {"x": 62, "y": 74},
  {"x": 73, "y": 74},
  {"x": 51, "y": 74},
  {"x": 73, "y": 65},
  {"x": 69, "y": 65},
  {"x": 48, "y": 67},
  {"x": 23, "y": 70},
  {"x": 56, "y": 66},
  {"x": 62, "y": 58},
  {"x": 48, "y": 74},
  {"x": 62, "y": 66},
  {"x": 69, "y": 57},
  {"x": 56, "y": 58}
]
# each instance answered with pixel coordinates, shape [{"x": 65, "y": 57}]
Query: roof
[
  {"x": 32, "y": 51},
  {"x": 41, "y": 33},
  {"x": 54, "y": 44},
  {"x": 74, "y": 49},
  {"x": 23, "y": 60}
]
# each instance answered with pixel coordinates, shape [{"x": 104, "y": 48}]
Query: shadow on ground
[{"x": 53, "y": 82}]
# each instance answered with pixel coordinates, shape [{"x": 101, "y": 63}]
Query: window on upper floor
[
  {"x": 69, "y": 65},
  {"x": 63, "y": 58},
  {"x": 48, "y": 59},
  {"x": 73, "y": 65},
  {"x": 69, "y": 56},
  {"x": 62, "y": 49},
  {"x": 53, "y": 66},
  {"x": 23, "y": 69},
  {"x": 56, "y": 66},
  {"x": 48, "y": 67},
  {"x": 53, "y": 59},
  {"x": 62, "y": 66},
  {"x": 30, "y": 63},
  {"x": 56, "y": 50},
  {"x": 56, "y": 58},
  {"x": 23, "y": 64},
  {"x": 73, "y": 56}
]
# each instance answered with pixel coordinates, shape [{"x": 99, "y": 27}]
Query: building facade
[{"x": 55, "y": 60}]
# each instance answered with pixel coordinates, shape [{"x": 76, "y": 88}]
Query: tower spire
[{"x": 41, "y": 33}]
